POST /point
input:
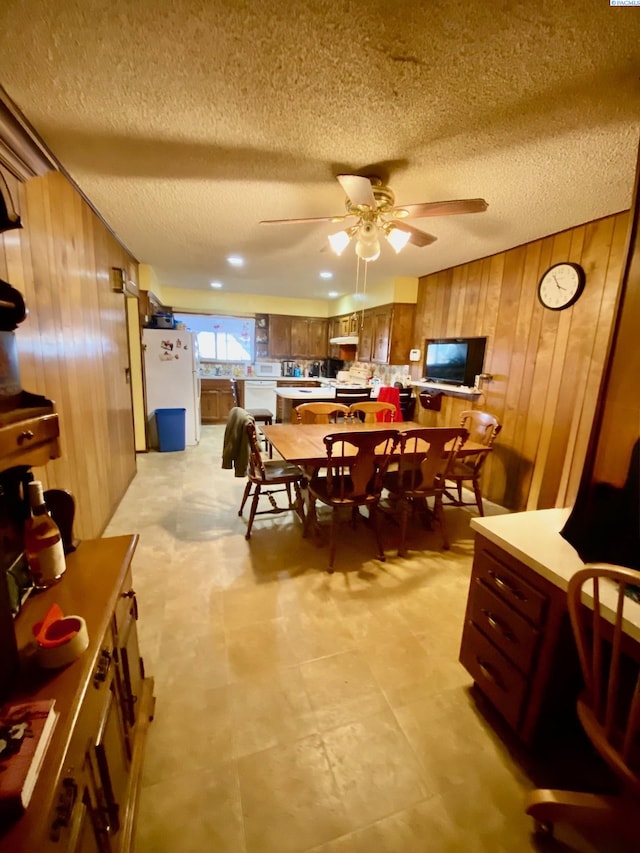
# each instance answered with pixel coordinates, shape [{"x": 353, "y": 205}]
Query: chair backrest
[
  {"x": 426, "y": 454},
  {"x": 369, "y": 410},
  {"x": 347, "y": 396},
  {"x": 256, "y": 470},
  {"x": 234, "y": 390},
  {"x": 357, "y": 462},
  {"x": 320, "y": 413},
  {"x": 407, "y": 401},
  {"x": 481, "y": 426},
  {"x": 609, "y": 707}
]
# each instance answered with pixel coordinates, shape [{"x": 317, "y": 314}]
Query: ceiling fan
[{"x": 373, "y": 204}]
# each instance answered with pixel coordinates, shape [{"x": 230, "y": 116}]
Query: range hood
[{"x": 345, "y": 341}]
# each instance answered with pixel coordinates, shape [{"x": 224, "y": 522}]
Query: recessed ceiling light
[
  {"x": 326, "y": 274},
  {"x": 332, "y": 294},
  {"x": 216, "y": 284},
  {"x": 235, "y": 260}
]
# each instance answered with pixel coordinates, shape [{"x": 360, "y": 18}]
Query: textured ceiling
[{"x": 186, "y": 122}]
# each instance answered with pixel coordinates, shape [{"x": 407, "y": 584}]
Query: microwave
[{"x": 265, "y": 369}]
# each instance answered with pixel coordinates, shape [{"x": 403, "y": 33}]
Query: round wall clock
[{"x": 561, "y": 285}]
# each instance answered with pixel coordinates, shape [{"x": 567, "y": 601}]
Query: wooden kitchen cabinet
[
  {"x": 216, "y": 400},
  {"x": 517, "y": 642},
  {"x": 309, "y": 337},
  {"x": 385, "y": 334},
  {"x": 297, "y": 337},
  {"x": 279, "y": 336},
  {"x": 86, "y": 794},
  {"x": 365, "y": 337}
]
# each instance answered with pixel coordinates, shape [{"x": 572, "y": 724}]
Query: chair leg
[
  {"x": 373, "y": 519},
  {"x": 438, "y": 511},
  {"x": 478, "y": 494},
  {"x": 459, "y": 485},
  {"x": 404, "y": 518},
  {"x": 247, "y": 490},
  {"x": 254, "y": 507},
  {"x": 298, "y": 506},
  {"x": 332, "y": 540}
]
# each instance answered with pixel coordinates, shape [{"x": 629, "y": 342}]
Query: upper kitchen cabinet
[
  {"x": 386, "y": 334},
  {"x": 262, "y": 335},
  {"x": 297, "y": 337},
  {"x": 279, "y": 336},
  {"x": 309, "y": 337}
]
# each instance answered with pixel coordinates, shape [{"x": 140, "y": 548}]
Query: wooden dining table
[{"x": 303, "y": 444}]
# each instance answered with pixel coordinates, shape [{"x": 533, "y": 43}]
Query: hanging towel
[{"x": 390, "y": 395}]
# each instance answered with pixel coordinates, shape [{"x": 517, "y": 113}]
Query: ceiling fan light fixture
[
  {"x": 368, "y": 250},
  {"x": 397, "y": 238},
  {"x": 339, "y": 241}
]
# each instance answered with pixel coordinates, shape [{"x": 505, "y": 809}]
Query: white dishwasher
[{"x": 260, "y": 394}]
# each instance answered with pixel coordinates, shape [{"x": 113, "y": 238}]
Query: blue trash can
[{"x": 171, "y": 429}]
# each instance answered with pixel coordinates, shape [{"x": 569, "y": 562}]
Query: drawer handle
[
  {"x": 497, "y": 625},
  {"x": 102, "y": 669},
  {"x": 486, "y": 670},
  {"x": 64, "y": 808},
  {"x": 505, "y": 586},
  {"x": 27, "y": 435}
]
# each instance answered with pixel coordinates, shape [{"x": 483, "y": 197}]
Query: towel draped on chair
[{"x": 387, "y": 394}]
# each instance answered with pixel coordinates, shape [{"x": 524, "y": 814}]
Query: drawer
[
  {"x": 506, "y": 629},
  {"x": 495, "y": 676},
  {"x": 30, "y": 442},
  {"x": 511, "y": 586}
]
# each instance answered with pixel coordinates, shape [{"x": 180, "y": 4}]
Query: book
[{"x": 25, "y": 733}]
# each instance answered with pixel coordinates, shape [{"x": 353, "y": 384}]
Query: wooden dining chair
[
  {"x": 268, "y": 478},
  {"x": 320, "y": 413},
  {"x": 352, "y": 478},
  {"x": 407, "y": 401},
  {"x": 425, "y": 456},
  {"x": 347, "y": 396},
  {"x": 484, "y": 429},
  {"x": 369, "y": 411},
  {"x": 608, "y": 707}
]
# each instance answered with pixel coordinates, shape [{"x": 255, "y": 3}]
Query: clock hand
[{"x": 559, "y": 286}]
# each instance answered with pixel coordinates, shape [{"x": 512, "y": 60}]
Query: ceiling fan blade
[
  {"x": 310, "y": 219},
  {"x": 417, "y": 237},
  {"x": 358, "y": 190},
  {"x": 442, "y": 208}
]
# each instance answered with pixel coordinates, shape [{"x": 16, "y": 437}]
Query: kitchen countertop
[{"x": 534, "y": 539}]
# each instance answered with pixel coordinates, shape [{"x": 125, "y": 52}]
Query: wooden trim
[{"x": 21, "y": 150}]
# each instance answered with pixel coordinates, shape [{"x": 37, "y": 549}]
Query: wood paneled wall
[
  {"x": 547, "y": 366},
  {"x": 73, "y": 345}
]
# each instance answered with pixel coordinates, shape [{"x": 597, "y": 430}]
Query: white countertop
[{"x": 534, "y": 539}]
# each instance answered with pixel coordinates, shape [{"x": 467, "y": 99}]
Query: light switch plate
[{"x": 414, "y": 355}]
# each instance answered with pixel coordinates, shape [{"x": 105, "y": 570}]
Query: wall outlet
[{"x": 414, "y": 355}]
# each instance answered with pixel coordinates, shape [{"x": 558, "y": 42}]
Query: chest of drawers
[{"x": 516, "y": 642}]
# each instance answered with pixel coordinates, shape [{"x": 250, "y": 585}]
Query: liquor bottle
[{"x": 42, "y": 541}]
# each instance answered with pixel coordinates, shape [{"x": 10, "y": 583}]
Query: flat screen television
[{"x": 454, "y": 361}]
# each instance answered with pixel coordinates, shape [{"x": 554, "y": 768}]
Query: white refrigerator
[{"x": 172, "y": 375}]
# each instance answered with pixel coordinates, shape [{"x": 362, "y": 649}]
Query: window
[{"x": 222, "y": 338}]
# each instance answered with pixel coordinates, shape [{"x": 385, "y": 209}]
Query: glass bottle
[{"x": 42, "y": 541}]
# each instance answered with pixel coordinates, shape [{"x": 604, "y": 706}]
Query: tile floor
[{"x": 301, "y": 711}]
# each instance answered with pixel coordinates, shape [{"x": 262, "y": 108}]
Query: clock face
[{"x": 561, "y": 286}]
